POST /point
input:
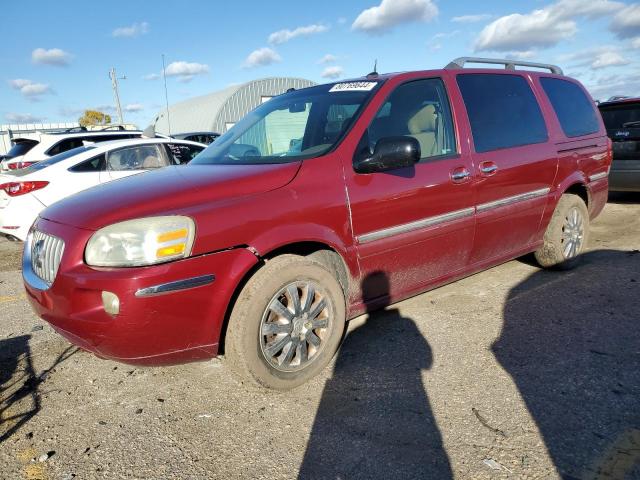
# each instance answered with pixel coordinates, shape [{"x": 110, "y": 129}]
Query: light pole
[{"x": 114, "y": 83}]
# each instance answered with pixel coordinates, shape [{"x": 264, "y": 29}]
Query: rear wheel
[
  {"x": 287, "y": 323},
  {"x": 567, "y": 234}
]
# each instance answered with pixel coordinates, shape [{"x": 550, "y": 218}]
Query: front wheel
[
  {"x": 567, "y": 234},
  {"x": 287, "y": 323}
]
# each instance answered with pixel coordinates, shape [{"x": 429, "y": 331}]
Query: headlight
[{"x": 145, "y": 241}]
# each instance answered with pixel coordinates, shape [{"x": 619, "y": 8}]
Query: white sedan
[{"x": 25, "y": 193}]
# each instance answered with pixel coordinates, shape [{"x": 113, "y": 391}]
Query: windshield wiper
[{"x": 631, "y": 124}]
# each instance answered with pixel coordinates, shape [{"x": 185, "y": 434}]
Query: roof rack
[{"x": 508, "y": 64}]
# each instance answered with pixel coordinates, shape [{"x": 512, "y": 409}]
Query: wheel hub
[
  {"x": 572, "y": 233},
  {"x": 294, "y": 324}
]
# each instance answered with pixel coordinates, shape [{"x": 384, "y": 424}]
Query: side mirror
[{"x": 390, "y": 153}]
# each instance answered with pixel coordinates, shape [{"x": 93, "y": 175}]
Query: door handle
[
  {"x": 488, "y": 168},
  {"x": 460, "y": 174}
]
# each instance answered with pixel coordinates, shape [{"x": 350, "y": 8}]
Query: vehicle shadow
[
  {"x": 19, "y": 383},
  {"x": 571, "y": 343},
  {"x": 374, "y": 418}
]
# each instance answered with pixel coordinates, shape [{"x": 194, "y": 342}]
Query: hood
[{"x": 170, "y": 190}]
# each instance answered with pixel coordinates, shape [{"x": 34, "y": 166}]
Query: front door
[
  {"x": 133, "y": 160},
  {"x": 413, "y": 226}
]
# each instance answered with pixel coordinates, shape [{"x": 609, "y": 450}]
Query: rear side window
[
  {"x": 503, "y": 112},
  {"x": 95, "y": 164},
  {"x": 574, "y": 110},
  {"x": 624, "y": 115},
  {"x": 65, "y": 145},
  {"x": 181, "y": 153}
]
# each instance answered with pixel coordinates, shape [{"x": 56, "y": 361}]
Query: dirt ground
[{"x": 511, "y": 373}]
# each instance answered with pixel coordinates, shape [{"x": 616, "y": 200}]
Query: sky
[{"x": 56, "y": 56}]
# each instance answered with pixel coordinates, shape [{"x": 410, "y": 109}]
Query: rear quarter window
[
  {"x": 503, "y": 111},
  {"x": 575, "y": 111}
]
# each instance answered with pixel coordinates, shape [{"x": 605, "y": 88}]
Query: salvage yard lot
[{"x": 511, "y": 373}]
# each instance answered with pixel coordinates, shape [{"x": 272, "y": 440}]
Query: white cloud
[
  {"x": 328, "y": 58},
  {"x": 541, "y": 28},
  {"x": 609, "y": 59},
  {"x": 53, "y": 56},
  {"x": 185, "y": 71},
  {"x": 133, "y": 107},
  {"x": 282, "y": 36},
  {"x": 23, "y": 118},
  {"x": 30, "y": 89},
  {"x": 335, "y": 71},
  {"x": 605, "y": 87},
  {"x": 635, "y": 43},
  {"x": 390, "y": 13},
  {"x": 261, "y": 57},
  {"x": 104, "y": 108},
  {"x": 131, "y": 31},
  {"x": 435, "y": 43},
  {"x": 152, "y": 76},
  {"x": 66, "y": 111},
  {"x": 626, "y": 23},
  {"x": 481, "y": 17},
  {"x": 596, "y": 58},
  {"x": 521, "y": 55}
]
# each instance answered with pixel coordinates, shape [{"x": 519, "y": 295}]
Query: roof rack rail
[
  {"x": 508, "y": 64},
  {"x": 75, "y": 129}
]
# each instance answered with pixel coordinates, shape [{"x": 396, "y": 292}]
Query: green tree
[{"x": 93, "y": 117}]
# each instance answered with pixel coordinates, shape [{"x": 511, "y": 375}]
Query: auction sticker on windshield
[{"x": 353, "y": 86}]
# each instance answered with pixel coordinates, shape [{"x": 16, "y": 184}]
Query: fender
[
  {"x": 291, "y": 234},
  {"x": 577, "y": 177}
]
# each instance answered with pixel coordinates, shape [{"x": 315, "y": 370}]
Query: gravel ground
[{"x": 511, "y": 373}]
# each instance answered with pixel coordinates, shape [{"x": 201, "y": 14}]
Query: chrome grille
[{"x": 46, "y": 254}]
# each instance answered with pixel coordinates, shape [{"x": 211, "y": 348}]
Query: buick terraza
[{"x": 322, "y": 204}]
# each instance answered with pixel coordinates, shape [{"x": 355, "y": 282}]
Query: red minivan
[{"x": 319, "y": 205}]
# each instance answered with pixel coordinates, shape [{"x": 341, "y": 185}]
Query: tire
[
  {"x": 265, "y": 343},
  {"x": 567, "y": 234}
]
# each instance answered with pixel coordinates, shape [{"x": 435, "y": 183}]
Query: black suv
[{"x": 622, "y": 119}]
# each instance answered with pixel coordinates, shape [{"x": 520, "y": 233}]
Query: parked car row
[
  {"x": 622, "y": 119},
  {"x": 321, "y": 204},
  {"x": 26, "y": 192}
]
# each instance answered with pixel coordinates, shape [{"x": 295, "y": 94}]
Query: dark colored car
[
  {"x": 200, "y": 137},
  {"x": 622, "y": 120},
  {"x": 320, "y": 205}
]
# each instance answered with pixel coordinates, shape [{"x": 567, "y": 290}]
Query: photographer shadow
[
  {"x": 571, "y": 343},
  {"x": 374, "y": 418},
  {"x": 19, "y": 383}
]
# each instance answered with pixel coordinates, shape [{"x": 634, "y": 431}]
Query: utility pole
[
  {"x": 114, "y": 84},
  {"x": 166, "y": 95}
]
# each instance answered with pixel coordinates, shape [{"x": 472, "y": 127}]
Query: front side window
[
  {"x": 141, "y": 157},
  {"x": 576, "y": 113},
  {"x": 503, "y": 111},
  {"x": 294, "y": 126},
  {"x": 419, "y": 109}
]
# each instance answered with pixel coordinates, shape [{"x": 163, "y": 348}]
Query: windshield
[
  {"x": 52, "y": 160},
  {"x": 20, "y": 148},
  {"x": 621, "y": 116},
  {"x": 294, "y": 126}
]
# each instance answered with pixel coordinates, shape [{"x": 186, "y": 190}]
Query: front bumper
[
  {"x": 625, "y": 176},
  {"x": 163, "y": 328}
]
